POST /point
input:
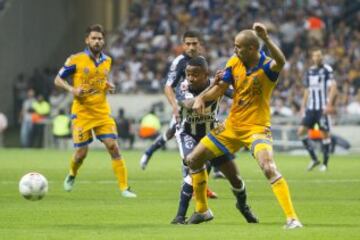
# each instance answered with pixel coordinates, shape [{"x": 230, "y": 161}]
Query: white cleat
[
  {"x": 292, "y": 224},
  {"x": 128, "y": 194},
  {"x": 144, "y": 161},
  {"x": 323, "y": 168}
]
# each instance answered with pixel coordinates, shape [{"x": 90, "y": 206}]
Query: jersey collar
[
  {"x": 261, "y": 62},
  {"x": 102, "y": 57}
]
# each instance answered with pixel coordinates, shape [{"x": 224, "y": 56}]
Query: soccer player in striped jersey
[
  {"x": 176, "y": 74},
  {"x": 253, "y": 76},
  {"x": 90, "y": 110},
  {"x": 191, "y": 128},
  {"x": 318, "y": 103}
]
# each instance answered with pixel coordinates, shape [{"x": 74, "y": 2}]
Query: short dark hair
[
  {"x": 198, "y": 62},
  {"x": 191, "y": 34},
  {"x": 95, "y": 28}
]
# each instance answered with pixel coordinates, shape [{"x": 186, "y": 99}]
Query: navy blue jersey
[
  {"x": 190, "y": 121},
  {"x": 317, "y": 81}
]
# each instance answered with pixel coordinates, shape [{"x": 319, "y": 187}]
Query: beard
[{"x": 96, "y": 49}]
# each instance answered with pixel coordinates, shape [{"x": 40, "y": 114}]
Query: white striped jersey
[
  {"x": 317, "y": 81},
  {"x": 191, "y": 122}
]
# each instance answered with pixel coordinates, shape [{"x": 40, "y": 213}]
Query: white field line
[{"x": 321, "y": 181}]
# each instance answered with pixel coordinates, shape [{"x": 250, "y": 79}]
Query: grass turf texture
[{"x": 327, "y": 203}]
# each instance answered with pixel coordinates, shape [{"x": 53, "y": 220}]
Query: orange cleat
[{"x": 211, "y": 194}]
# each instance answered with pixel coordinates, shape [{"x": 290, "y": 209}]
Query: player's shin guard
[
  {"x": 309, "y": 148},
  {"x": 159, "y": 142},
  {"x": 185, "y": 197},
  {"x": 326, "y": 150},
  {"x": 199, "y": 180},
  {"x": 240, "y": 194},
  {"x": 74, "y": 167},
  {"x": 282, "y": 193},
  {"x": 120, "y": 172}
]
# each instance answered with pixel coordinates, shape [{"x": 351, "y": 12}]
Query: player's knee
[
  {"x": 192, "y": 162},
  {"x": 80, "y": 155},
  {"x": 269, "y": 169},
  {"x": 112, "y": 146}
]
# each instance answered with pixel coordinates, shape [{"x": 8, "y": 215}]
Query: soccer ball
[{"x": 33, "y": 186}]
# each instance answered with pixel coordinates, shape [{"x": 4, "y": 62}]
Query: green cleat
[
  {"x": 69, "y": 183},
  {"x": 128, "y": 193}
]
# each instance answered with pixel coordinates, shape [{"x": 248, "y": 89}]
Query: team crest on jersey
[
  {"x": 86, "y": 70},
  {"x": 189, "y": 144},
  {"x": 106, "y": 71}
]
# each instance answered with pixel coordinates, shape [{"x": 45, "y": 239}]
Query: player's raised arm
[{"x": 276, "y": 53}]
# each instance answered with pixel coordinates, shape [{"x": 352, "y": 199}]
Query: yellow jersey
[
  {"x": 91, "y": 76},
  {"x": 252, "y": 92}
]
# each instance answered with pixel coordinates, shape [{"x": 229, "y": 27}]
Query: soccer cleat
[
  {"x": 128, "y": 193},
  {"x": 312, "y": 165},
  {"x": 144, "y": 161},
  {"x": 292, "y": 224},
  {"x": 69, "y": 183},
  {"x": 211, "y": 194},
  {"x": 178, "y": 220},
  {"x": 323, "y": 168},
  {"x": 246, "y": 212},
  {"x": 197, "y": 218}
]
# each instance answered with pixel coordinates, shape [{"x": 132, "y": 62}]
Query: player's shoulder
[
  {"x": 106, "y": 58},
  {"x": 233, "y": 60},
  {"x": 73, "y": 58},
  {"x": 327, "y": 67}
]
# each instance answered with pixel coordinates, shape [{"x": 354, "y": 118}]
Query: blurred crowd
[{"x": 144, "y": 45}]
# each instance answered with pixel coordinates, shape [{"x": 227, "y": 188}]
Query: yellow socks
[
  {"x": 199, "y": 181},
  {"x": 282, "y": 193},
  {"x": 74, "y": 167},
  {"x": 120, "y": 171}
]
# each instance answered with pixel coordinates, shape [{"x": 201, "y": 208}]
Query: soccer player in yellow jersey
[
  {"x": 90, "y": 110},
  {"x": 253, "y": 76}
]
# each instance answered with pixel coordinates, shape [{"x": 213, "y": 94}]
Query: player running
[{"x": 90, "y": 110}]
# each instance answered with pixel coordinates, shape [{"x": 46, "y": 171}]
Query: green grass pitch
[{"x": 327, "y": 203}]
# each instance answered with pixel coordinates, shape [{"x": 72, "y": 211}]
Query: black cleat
[
  {"x": 197, "y": 218},
  {"x": 178, "y": 220},
  {"x": 248, "y": 215}
]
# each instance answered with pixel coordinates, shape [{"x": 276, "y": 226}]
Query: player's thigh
[
  {"x": 80, "y": 136},
  {"x": 186, "y": 144},
  {"x": 258, "y": 138},
  {"x": 309, "y": 120},
  {"x": 198, "y": 157},
  {"x": 226, "y": 165},
  {"x": 106, "y": 131},
  {"x": 222, "y": 141}
]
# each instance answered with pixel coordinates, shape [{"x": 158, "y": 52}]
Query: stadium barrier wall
[{"x": 284, "y": 129}]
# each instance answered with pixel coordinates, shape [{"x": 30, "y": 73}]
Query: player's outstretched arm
[
  {"x": 276, "y": 53},
  {"x": 213, "y": 93}
]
